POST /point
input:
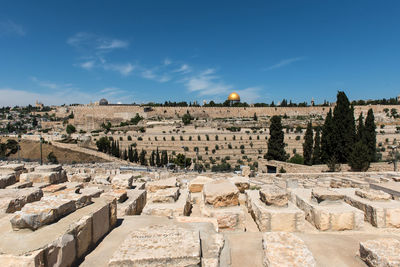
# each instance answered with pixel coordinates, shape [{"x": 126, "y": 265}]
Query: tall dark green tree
[
  {"x": 370, "y": 134},
  {"x": 142, "y": 158},
  {"x": 158, "y": 159},
  {"x": 276, "y": 145},
  {"x": 164, "y": 158},
  {"x": 130, "y": 154},
  {"x": 152, "y": 158},
  {"x": 359, "y": 159},
  {"x": 327, "y": 138},
  {"x": 344, "y": 128},
  {"x": 135, "y": 156},
  {"x": 125, "y": 155},
  {"x": 360, "y": 134},
  {"x": 308, "y": 145},
  {"x": 316, "y": 156}
]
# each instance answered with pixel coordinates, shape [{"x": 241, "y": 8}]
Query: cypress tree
[
  {"x": 164, "y": 158},
  {"x": 276, "y": 145},
  {"x": 142, "y": 158},
  {"x": 158, "y": 159},
  {"x": 135, "y": 156},
  {"x": 125, "y": 155},
  {"x": 130, "y": 154},
  {"x": 344, "y": 128},
  {"x": 152, "y": 158},
  {"x": 308, "y": 145},
  {"x": 316, "y": 157},
  {"x": 370, "y": 135},
  {"x": 327, "y": 140},
  {"x": 359, "y": 159},
  {"x": 360, "y": 136}
]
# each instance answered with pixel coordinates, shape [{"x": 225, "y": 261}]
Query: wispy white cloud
[
  {"x": 207, "y": 83},
  {"x": 285, "y": 62},
  {"x": 124, "y": 68},
  {"x": 88, "y": 65},
  {"x": 96, "y": 43},
  {"x": 110, "y": 91},
  {"x": 112, "y": 44},
  {"x": 10, "y": 27},
  {"x": 184, "y": 68},
  {"x": 167, "y": 62},
  {"x": 249, "y": 95}
]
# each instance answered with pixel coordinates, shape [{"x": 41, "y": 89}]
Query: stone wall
[{"x": 91, "y": 117}]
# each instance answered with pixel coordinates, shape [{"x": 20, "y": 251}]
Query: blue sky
[{"x": 138, "y": 51}]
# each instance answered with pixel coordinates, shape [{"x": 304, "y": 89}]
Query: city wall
[{"x": 91, "y": 117}]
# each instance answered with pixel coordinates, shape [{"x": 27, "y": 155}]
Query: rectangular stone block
[
  {"x": 196, "y": 185},
  {"x": 101, "y": 223},
  {"x": 159, "y": 246},
  {"x": 46, "y": 211},
  {"x": 272, "y": 218},
  {"x": 62, "y": 252},
  {"x": 274, "y": 196},
  {"x": 134, "y": 204},
  {"x": 123, "y": 181},
  {"x": 181, "y": 207},
  {"x": 221, "y": 193},
  {"x": 79, "y": 177},
  {"x": 12, "y": 200},
  {"x": 83, "y": 234},
  {"x": 286, "y": 249},
  {"x": 333, "y": 216},
  {"x": 167, "y": 195},
  {"x": 161, "y": 184},
  {"x": 6, "y": 180},
  {"x": 119, "y": 194},
  {"x": 382, "y": 252}
]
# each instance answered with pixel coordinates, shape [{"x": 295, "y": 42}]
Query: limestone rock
[
  {"x": 167, "y": 195},
  {"x": 241, "y": 183},
  {"x": 159, "y": 246},
  {"x": 161, "y": 184},
  {"x": 48, "y": 168},
  {"x": 102, "y": 179},
  {"x": 196, "y": 185},
  {"x": 12, "y": 200},
  {"x": 79, "y": 177},
  {"x": 286, "y": 249},
  {"x": 46, "y": 211},
  {"x": 373, "y": 195},
  {"x": 246, "y": 171},
  {"x": 382, "y": 252},
  {"x": 221, "y": 193},
  {"x": 274, "y": 196},
  {"x": 7, "y": 180},
  {"x": 322, "y": 194},
  {"x": 54, "y": 188},
  {"x": 119, "y": 194},
  {"x": 122, "y": 181}
]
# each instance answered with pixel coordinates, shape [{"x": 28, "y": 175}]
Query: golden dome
[{"x": 234, "y": 97}]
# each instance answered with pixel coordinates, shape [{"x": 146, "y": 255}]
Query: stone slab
[
  {"x": 134, "y": 204},
  {"x": 196, "y": 185},
  {"x": 167, "y": 195},
  {"x": 382, "y": 252},
  {"x": 272, "y": 218},
  {"x": 221, "y": 193},
  {"x": 159, "y": 246},
  {"x": 12, "y": 200},
  {"x": 274, "y": 196},
  {"x": 182, "y": 207},
  {"x": 286, "y": 249},
  {"x": 161, "y": 184}
]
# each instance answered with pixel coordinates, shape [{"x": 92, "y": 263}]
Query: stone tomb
[
  {"x": 196, "y": 185},
  {"x": 12, "y": 200},
  {"x": 382, "y": 252},
  {"x": 220, "y": 200},
  {"x": 49, "y": 174},
  {"x": 159, "y": 246},
  {"x": 378, "y": 207},
  {"x": 272, "y": 211},
  {"x": 286, "y": 249},
  {"x": 134, "y": 204},
  {"x": 326, "y": 210},
  {"x": 59, "y": 244}
]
